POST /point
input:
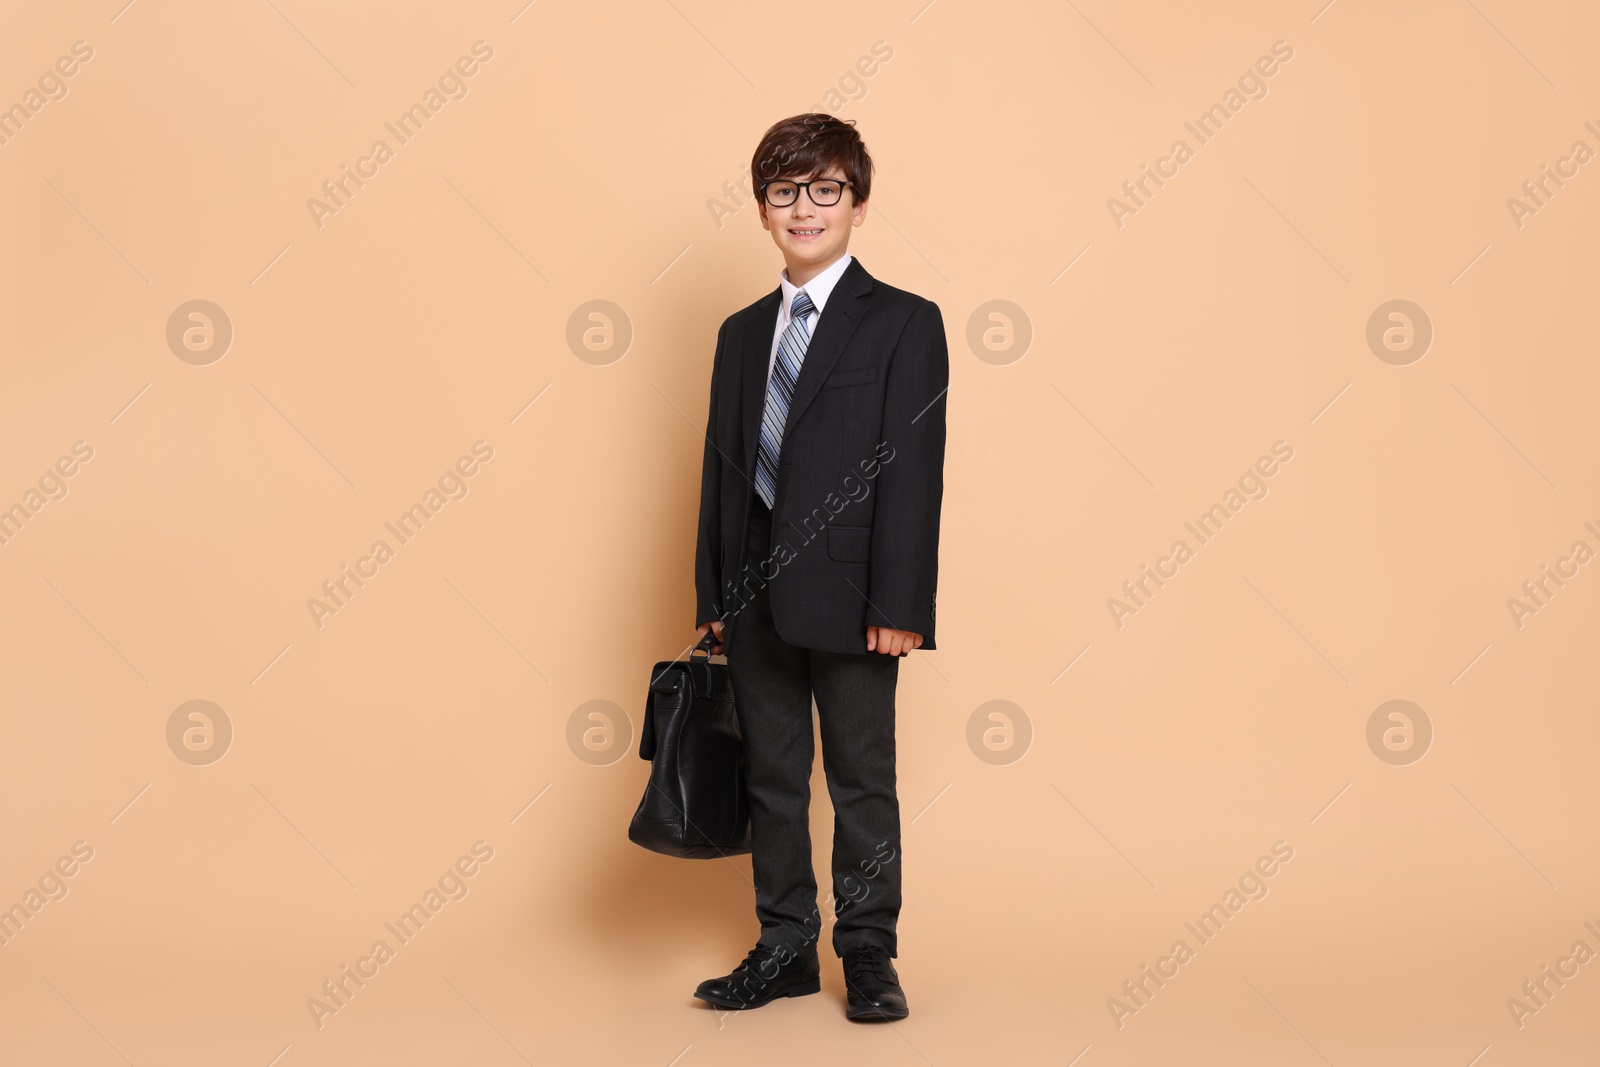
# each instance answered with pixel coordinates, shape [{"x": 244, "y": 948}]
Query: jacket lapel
[
  {"x": 753, "y": 382},
  {"x": 829, "y": 335}
]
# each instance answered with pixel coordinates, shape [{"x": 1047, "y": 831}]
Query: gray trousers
[{"x": 773, "y": 684}]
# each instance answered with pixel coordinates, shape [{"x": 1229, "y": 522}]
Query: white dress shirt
[{"x": 817, "y": 289}]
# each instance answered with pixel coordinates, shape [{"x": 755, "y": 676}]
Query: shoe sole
[
  {"x": 800, "y": 990},
  {"x": 873, "y": 1015}
]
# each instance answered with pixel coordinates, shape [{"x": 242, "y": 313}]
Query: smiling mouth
[{"x": 806, "y": 233}]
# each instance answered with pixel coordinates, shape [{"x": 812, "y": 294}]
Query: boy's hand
[
  {"x": 891, "y": 642},
  {"x": 715, "y": 624}
]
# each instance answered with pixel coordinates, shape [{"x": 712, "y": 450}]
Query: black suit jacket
[{"x": 860, "y": 472}]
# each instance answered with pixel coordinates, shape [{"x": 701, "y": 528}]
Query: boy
[{"x": 818, "y": 549}]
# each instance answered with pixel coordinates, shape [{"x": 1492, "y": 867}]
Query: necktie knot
[{"x": 802, "y": 305}]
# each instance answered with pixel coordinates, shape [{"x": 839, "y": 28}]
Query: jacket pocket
[
  {"x": 850, "y": 544},
  {"x": 859, "y": 376}
]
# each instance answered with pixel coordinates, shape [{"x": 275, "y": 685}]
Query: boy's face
[{"x": 809, "y": 253}]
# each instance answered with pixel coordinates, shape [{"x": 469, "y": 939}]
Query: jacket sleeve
[
  {"x": 708, "y": 541},
  {"x": 904, "y": 570}
]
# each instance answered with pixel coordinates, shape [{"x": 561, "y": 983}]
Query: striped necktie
[{"x": 780, "y": 390}]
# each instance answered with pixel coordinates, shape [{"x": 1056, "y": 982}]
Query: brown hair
[{"x": 806, "y": 145}]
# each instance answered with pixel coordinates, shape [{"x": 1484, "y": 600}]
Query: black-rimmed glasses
[{"x": 824, "y": 192}]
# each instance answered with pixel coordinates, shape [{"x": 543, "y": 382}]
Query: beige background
[{"x": 1161, "y": 759}]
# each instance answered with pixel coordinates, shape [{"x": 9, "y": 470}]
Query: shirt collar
[{"x": 817, "y": 288}]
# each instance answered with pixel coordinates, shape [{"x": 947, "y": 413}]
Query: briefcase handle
[{"x": 706, "y": 644}]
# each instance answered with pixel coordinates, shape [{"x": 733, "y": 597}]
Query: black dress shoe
[
  {"x": 872, "y": 986},
  {"x": 765, "y": 974}
]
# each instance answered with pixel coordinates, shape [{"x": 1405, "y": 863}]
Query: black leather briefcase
[{"x": 694, "y": 805}]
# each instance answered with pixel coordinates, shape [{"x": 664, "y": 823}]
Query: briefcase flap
[{"x": 667, "y": 677}]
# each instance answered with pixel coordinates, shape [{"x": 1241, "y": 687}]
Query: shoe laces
[
  {"x": 756, "y": 957},
  {"x": 868, "y": 963}
]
